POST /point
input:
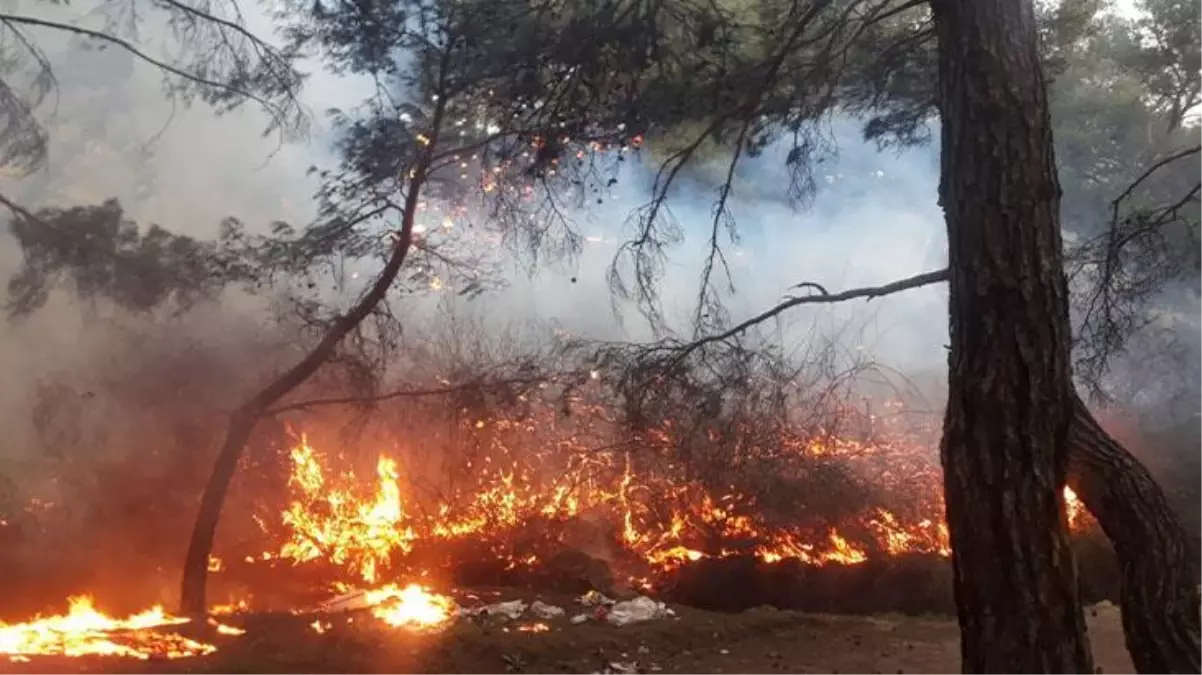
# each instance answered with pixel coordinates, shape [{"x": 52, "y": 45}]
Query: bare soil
[{"x": 760, "y": 640}]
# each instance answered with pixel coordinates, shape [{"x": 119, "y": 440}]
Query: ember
[{"x": 85, "y": 631}]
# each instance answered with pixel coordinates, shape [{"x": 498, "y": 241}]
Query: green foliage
[
  {"x": 1164, "y": 49},
  {"x": 1129, "y": 169},
  {"x": 99, "y": 253}
]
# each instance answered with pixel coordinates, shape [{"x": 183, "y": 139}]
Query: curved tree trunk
[
  {"x": 243, "y": 420},
  {"x": 1159, "y": 593},
  {"x": 1010, "y": 394}
]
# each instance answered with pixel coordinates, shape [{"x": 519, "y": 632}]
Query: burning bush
[
  {"x": 601, "y": 475},
  {"x": 553, "y": 466}
]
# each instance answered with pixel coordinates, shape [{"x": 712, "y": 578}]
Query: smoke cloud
[{"x": 874, "y": 219}]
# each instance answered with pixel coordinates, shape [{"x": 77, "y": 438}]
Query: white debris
[
  {"x": 579, "y": 619},
  {"x": 543, "y": 610},
  {"x": 622, "y": 667},
  {"x": 347, "y": 602},
  {"x": 594, "y": 599},
  {"x": 510, "y": 610},
  {"x": 640, "y": 609}
]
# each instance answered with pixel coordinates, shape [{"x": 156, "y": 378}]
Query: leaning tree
[{"x": 501, "y": 131}]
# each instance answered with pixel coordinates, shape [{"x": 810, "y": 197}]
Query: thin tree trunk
[
  {"x": 1010, "y": 398},
  {"x": 243, "y": 420},
  {"x": 1158, "y": 588}
]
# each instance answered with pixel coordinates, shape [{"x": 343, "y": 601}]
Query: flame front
[
  {"x": 85, "y": 631},
  {"x": 366, "y": 529},
  {"x": 333, "y": 525}
]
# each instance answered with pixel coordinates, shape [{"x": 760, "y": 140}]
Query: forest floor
[{"x": 761, "y": 640}]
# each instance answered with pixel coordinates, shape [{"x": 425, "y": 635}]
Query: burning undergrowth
[
  {"x": 725, "y": 480},
  {"x": 614, "y": 524},
  {"x": 565, "y": 484}
]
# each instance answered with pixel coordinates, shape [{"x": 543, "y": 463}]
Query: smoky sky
[{"x": 874, "y": 218}]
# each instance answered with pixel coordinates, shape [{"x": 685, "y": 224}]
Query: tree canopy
[
  {"x": 211, "y": 56},
  {"x": 722, "y": 81}
]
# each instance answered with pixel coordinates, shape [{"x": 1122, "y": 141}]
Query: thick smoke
[{"x": 875, "y": 218}]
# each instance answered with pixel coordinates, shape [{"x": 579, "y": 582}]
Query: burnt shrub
[{"x": 911, "y": 584}]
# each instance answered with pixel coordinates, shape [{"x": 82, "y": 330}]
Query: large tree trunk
[
  {"x": 1010, "y": 398},
  {"x": 1159, "y": 593}
]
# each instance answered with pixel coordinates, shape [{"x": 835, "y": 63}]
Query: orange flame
[
  {"x": 85, "y": 631},
  {"x": 366, "y": 528},
  {"x": 411, "y": 607}
]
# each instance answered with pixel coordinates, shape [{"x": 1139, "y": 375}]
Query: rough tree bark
[
  {"x": 1158, "y": 589},
  {"x": 243, "y": 420},
  {"x": 1159, "y": 595},
  {"x": 1010, "y": 399}
]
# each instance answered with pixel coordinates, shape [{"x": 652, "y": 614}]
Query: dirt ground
[{"x": 757, "y": 641}]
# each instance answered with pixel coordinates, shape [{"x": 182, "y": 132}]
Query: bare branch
[
  {"x": 867, "y": 292},
  {"x": 1156, "y": 166},
  {"x": 21, "y": 211},
  {"x": 408, "y": 393},
  {"x": 1131, "y": 262},
  {"x": 276, "y": 112}
]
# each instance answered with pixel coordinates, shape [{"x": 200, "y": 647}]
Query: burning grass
[
  {"x": 414, "y": 606},
  {"x": 767, "y": 488},
  {"x": 614, "y": 519},
  {"x": 84, "y": 631},
  {"x": 614, "y": 522}
]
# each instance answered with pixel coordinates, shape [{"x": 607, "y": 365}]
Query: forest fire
[
  {"x": 377, "y": 531},
  {"x": 370, "y": 539},
  {"x": 534, "y": 500},
  {"x": 85, "y": 631}
]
